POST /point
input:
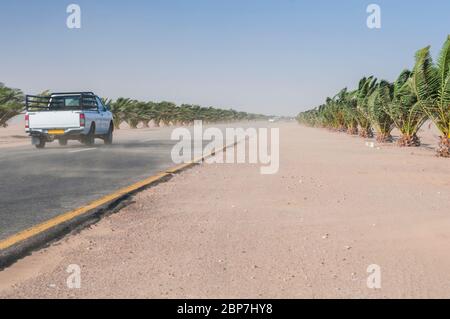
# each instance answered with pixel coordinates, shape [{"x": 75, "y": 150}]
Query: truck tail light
[
  {"x": 27, "y": 121},
  {"x": 82, "y": 120}
]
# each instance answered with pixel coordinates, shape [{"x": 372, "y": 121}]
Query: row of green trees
[
  {"x": 135, "y": 112},
  {"x": 406, "y": 104}
]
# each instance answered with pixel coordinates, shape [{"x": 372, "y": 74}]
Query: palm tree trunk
[
  {"x": 365, "y": 132},
  {"x": 133, "y": 123},
  {"x": 5, "y": 118},
  {"x": 352, "y": 129},
  {"x": 444, "y": 147},
  {"x": 409, "y": 140},
  {"x": 383, "y": 137},
  {"x": 117, "y": 122}
]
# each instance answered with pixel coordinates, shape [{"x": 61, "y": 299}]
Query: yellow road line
[
  {"x": 35, "y": 230},
  {"x": 175, "y": 169}
]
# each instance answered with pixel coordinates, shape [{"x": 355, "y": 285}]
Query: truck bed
[{"x": 54, "y": 119}]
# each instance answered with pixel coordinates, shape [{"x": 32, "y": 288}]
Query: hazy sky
[{"x": 264, "y": 56}]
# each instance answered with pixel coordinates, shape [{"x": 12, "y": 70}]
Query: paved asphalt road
[{"x": 36, "y": 185}]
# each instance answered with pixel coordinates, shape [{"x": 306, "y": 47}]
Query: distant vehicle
[
  {"x": 68, "y": 116},
  {"x": 273, "y": 120}
]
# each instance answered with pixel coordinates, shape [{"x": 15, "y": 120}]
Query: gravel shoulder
[{"x": 225, "y": 231}]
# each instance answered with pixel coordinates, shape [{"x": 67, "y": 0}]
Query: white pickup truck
[{"x": 68, "y": 116}]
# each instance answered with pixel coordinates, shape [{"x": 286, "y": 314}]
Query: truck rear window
[{"x": 65, "y": 102}]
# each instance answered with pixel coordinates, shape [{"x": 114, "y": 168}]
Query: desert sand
[
  {"x": 14, "y": 134},
  {"x": 335, "y": 207}
]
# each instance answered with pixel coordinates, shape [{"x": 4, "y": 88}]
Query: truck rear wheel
[
  {"x": 41, "y": 143},
  {"x": 108, "y": 138},
  {"x": 90, "y": 138}
]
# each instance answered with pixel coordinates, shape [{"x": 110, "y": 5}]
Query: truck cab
[{"x": 78, "y": 116}]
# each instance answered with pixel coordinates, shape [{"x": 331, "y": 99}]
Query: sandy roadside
[
  {"x": 14, "y": 134},
  {"x": 225, "y": 231}
]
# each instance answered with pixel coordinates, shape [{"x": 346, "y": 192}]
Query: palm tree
[
  {"x": 380, "y": 119},
  {"x": 365, "y": 88},
  {"x": 119, "y": 109},
  {"x": 133, "y": 113},
  {"x": 309, "y": 118},
  {"x": 147, "y": 113},
  {"x": 167, "y": 112},
  {"x": 327, "y": 115},
  {"x": 400, "y": 103},
  {"x": 187, "y": 114},
  {"x": 347, "y": 104},
  {"x": 11, "y": 104},
  {"x": 336, "y": 113},
  {"x": 106, "y": 101},
  {"x": 431, "y": 84}
]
